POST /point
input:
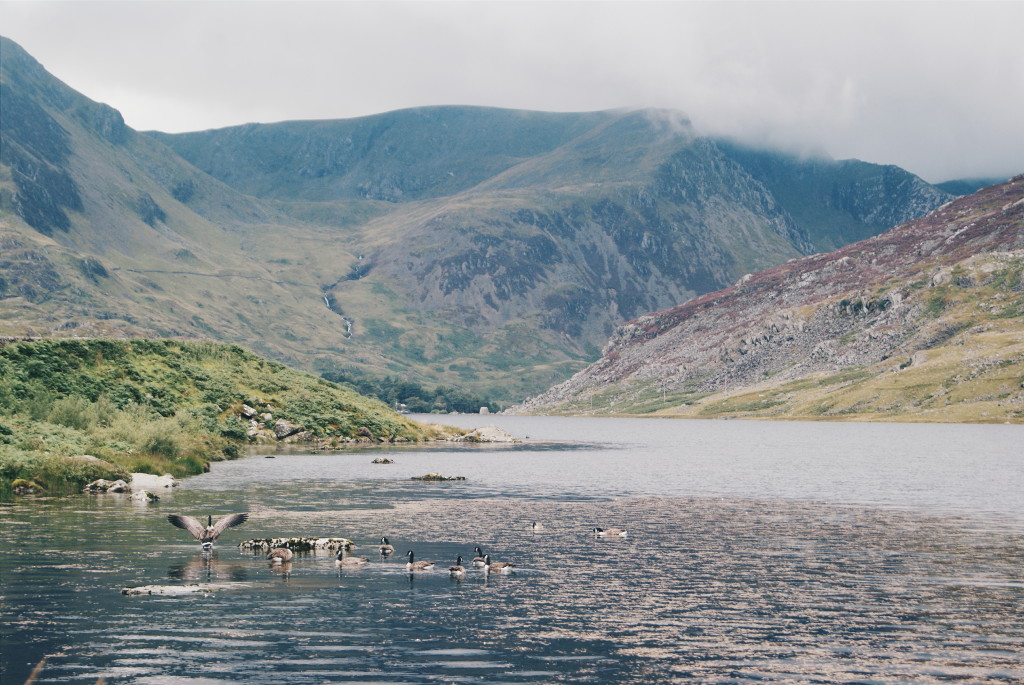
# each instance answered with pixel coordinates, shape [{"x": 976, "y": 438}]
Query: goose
[
  {"x": 386, "y": 548},
  {"x": 609, "y": 532},
  {"x": 536, "y": 525},
  {"x": 211, "y": 531},
  {"x": 279, "y": 555},
  {"x": 496, "y": 566},
  {"x": 414, "y": 565},
  {"x": 478, "y": 560},
  {"x": 457, "y": 571},
  {"x": 344, "y": 559}
]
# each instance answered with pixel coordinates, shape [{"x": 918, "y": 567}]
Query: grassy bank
[{"x": 161, "y": 406}]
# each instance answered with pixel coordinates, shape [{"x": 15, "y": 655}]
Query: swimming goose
[
  {"x": 279, "y": 555},
  {"x": 496, "y": 566},
  {"x": 344, "y": 559},
  {"x": 536, "y": 525},
  {"x": 609, "y": 532},
  {"x": 457, "y": 570},
  {"x": 478, "y": 560},
  {"x": 414, "y": 565},
  {"x": 386, "y": 548},
  {"x": 211, "y": 531}
]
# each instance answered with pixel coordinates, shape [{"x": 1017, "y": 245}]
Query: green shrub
[{"x": 73, "y": 412}]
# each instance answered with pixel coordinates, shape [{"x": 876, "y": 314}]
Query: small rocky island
[{"x": 438, "y": 476}]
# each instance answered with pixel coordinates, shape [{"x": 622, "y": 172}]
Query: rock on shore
[{"x": 487, "y": 434}]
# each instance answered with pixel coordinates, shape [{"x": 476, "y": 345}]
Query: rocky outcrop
[
  {"x": 296, "y": 544},
  {"x": 486, "y": 434},
  {"x": 148, "y": 481},
  {"x": 284, "y": 428}
]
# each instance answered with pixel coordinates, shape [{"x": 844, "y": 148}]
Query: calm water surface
[{"x": 783, "y": 552}]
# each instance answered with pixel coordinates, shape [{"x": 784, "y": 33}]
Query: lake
[{"x": 756, "y": 551}]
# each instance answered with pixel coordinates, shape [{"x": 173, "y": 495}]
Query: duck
[
  {"x": 386, "y": 548},
  {"x": 279, "y": 555},
  {"x": 414, "y": 565},
  {"x": 478, "y": 560},
  {"x": 343, "y": 559},
  {"x": 496, "y": 566},
  {"x": 211, "y": 531},
  {"x": 610, "y": 532},
  {"x": 457, "y": 571}
]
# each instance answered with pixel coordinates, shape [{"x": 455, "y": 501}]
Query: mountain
[
  {"x": 923, "y": 322},
  {"x": 966, "y": 186},
  {"x": 490, "y": 249}
]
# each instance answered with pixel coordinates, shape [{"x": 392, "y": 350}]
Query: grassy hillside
[{"x": 159, "y": 406}]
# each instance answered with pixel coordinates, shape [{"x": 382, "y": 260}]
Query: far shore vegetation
[{"x": 72, "y": 411}]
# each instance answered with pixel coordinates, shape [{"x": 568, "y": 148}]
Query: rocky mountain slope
[
  {"x": 490, "y": 249},
  {"x": 923, "y": 322}
]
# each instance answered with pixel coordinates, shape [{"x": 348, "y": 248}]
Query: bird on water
[
  {"x": 496, "y": 566},
  {"x": 386, "y": 547},
  {"x": 414, "y": 565},
  {"x": 343, "y": 559},
  {"x": 610, "y": 532},
  {"x": 211, "y": 531},
  {"x": 279, "y": 555}
]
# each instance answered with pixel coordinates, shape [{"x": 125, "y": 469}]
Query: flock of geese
[{"x": 207, "y": 534}]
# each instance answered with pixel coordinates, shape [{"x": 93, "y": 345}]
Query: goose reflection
[
  {"x": 282, "y": 568},
  {"x": 205, "y": 566}
]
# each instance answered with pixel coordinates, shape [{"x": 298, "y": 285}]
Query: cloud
[{"x": 936, "y": 87}]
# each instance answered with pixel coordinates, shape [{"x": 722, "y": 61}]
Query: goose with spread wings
[{"x": 211, "y": 531}]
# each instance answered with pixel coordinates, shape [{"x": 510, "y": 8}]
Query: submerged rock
[
  {"x": 438, "y": 476},
  {"x": 178, "y": 590},
  {"x": 143, "y": 496},
  {"x": 22, "y": 486}
]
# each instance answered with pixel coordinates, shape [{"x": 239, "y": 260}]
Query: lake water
[{"x": 757, "y": 551}]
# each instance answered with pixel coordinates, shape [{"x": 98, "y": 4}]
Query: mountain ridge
[{"x": 504, "y": 278}]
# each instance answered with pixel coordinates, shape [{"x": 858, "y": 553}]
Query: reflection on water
[{"x": 706, "y": 588}]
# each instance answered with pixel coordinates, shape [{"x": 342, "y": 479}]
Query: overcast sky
[{"x": 937, "y": 88}]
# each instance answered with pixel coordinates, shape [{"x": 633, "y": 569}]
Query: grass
[{"x": 159, "y": 406}]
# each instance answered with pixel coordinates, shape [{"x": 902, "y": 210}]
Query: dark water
[{"x": 804, "y": 553}]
